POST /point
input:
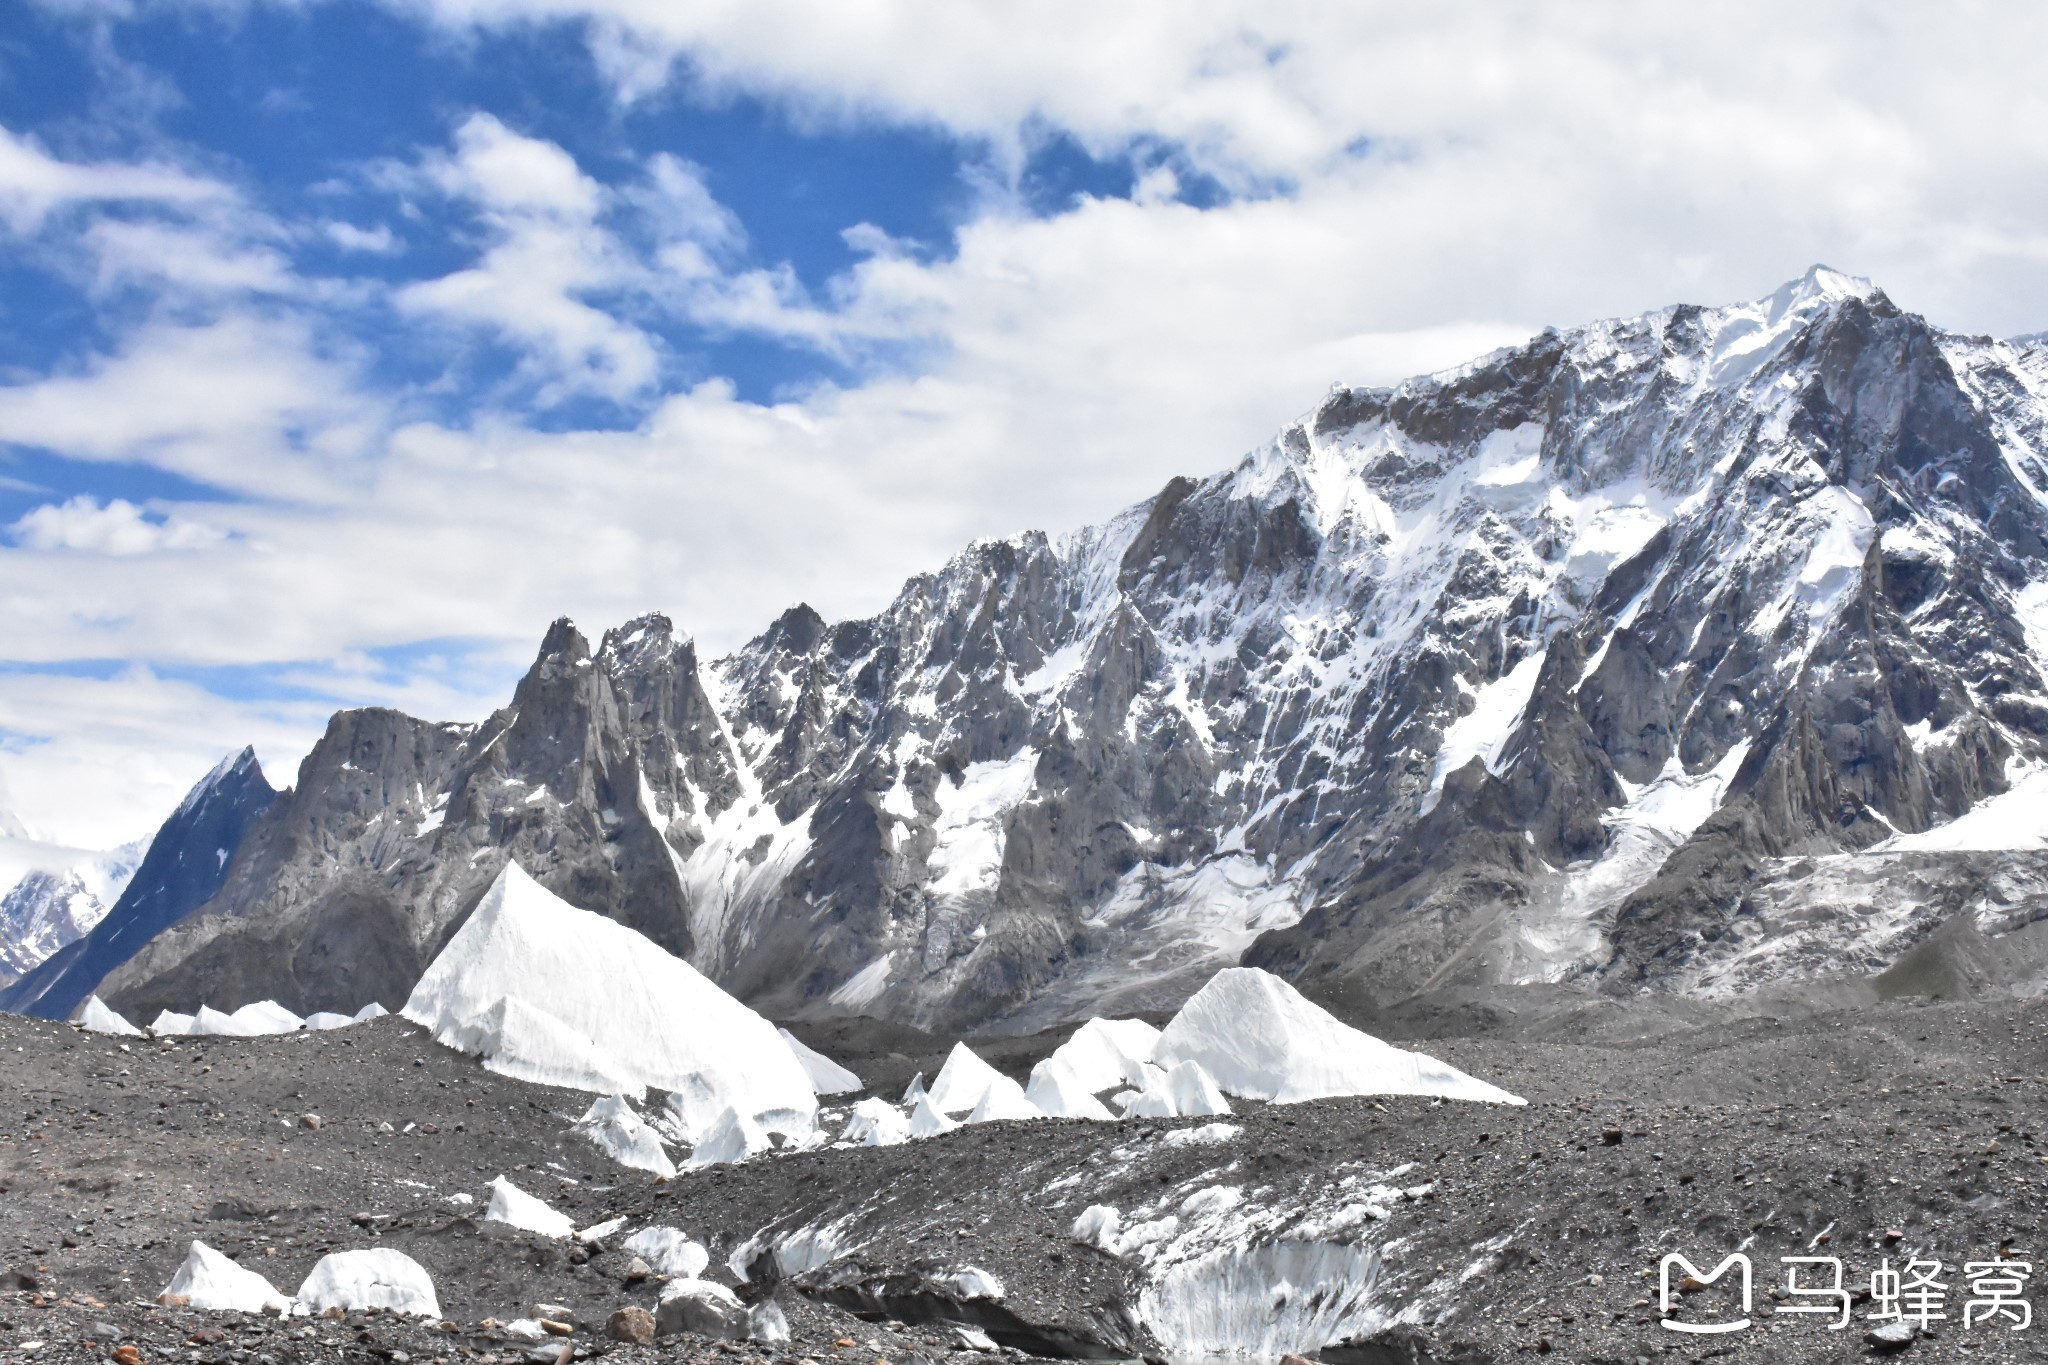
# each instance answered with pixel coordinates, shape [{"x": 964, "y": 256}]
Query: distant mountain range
[
  {"x": 1702, "y": 651},
  {"x": 56, "y": 895}
]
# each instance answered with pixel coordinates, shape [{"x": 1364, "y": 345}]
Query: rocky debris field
[{"x": 1901, "y": 1132}]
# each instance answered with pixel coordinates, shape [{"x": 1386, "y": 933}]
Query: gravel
[{"x": 1898, "y": 1131}]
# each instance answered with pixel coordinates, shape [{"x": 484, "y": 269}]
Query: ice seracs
[
  {"x": 827, "y": 1076},
  {"x": 1146, "y": 1104},
  {"x": 668, "y": 1251},
  {"x": 962, "y": 1081},
  {"x": 876, "y": 1123},
  {"x": 1259, "y": 1038},
  {"x": 210, "y": 1280},
  {"x": 734, "y": 1137},
  {"x": 514, "y": 1206},
  {"x": 212, "y": 1023},
  {"x": 95, "y": 1017},
  {"x": 927, "y": 1120},
  {"x": 267, "y": 1016},
  {"x": 326, "y": 1019},
  {"x": 1186, "y": 1091},
  {"x": 377, "y": 1277},
  {"x": 1056, "y": 1093},
  {"x": 612, "y": 1126},
  {"x": 562, "y": 996},
  {"x": 169, "y": 1024},
  {"x": 524, "y": 1041},
  {"x": 1003, "y": 1099},
  {"x": 255, "y": 1020},
  {"x": 1101, "y": 1052},
  {"x": 1194, "y": 1092}
]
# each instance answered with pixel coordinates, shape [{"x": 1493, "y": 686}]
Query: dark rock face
[
  {"x": 396, "y": 827},
  {"x": 185, "y": 866},
  {"x": 1544, "y": 668}
]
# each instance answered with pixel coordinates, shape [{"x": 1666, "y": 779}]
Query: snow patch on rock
[{"x": 2016, "y": 818}]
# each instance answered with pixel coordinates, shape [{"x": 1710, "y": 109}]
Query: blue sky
[{"x": 343, "y": 345}]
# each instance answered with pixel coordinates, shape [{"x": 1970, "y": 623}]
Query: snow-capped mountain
[
  {"x": 49, "y": 907},
  {"x": 1617, "y": 655},
  {"x": 181, "y": 870}
]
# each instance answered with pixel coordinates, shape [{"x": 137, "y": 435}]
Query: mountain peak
[
  {"x": 226, "y": 772},
  {"x": 652, "y": 636},
  {"x": 797, "y": 629},
  {"x": 564, "y": 640},
  {"x": 1821, "y": 287}
]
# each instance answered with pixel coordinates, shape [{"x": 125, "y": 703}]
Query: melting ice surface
[{"x": 1282, "y": 1298}]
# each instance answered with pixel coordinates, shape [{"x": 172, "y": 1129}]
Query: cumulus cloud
[
  {"x": 117, "y": 527},
  {"x": 186, "y": 258},
  {"x": 1630, "y": 150},
  {"x": 541, "y": 281}
]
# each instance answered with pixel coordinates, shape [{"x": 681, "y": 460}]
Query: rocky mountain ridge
[{"x": 1610, "y": 658}]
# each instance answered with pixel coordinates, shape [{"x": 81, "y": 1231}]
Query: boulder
[
  {"x": 632, "y": 1325},
  {"x": 702, "y": 1308}
]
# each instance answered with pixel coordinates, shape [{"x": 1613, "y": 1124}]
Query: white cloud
[
  {"x": 202, "y": 260},
  {"x": 244, "y": 403},
  {"x": 680, "y": 208},
  {"x": 512, "y": 174},
  {"x": 1594, "y": 158},
  {"x": 376, "y": 241},
  {"x": 548, "y": 258},
  {"x": 33, "y": 184},
  {"x": 103, "y": 761},
  {"x": 117, "y": 527}
]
